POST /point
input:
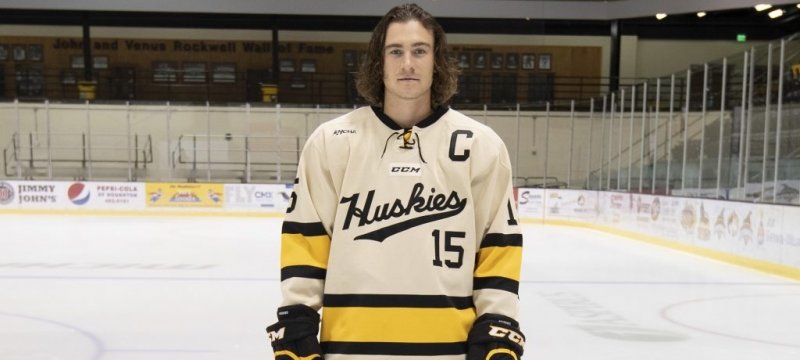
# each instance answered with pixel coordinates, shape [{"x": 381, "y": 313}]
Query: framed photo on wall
[
  {"x": 287, "y": 65},
  {"x": 223, "y": 73},
  {"x": 497, "y": 61},
  {"x": 35, "y": 52},
  {"x": 463, "y": 60},
  {"x": 195, "y": 72},
  {"x": 165, "y": 71},
  {"x": 528, "y": 61},
  {"x": 3, "y": 52},
  {"x": 99, "y": 62},
  {"x": 68, "y": 77},
  {"x": 544, "y": 61},
  {"x": 349, "y": 59},
  {"x": 479, "y": 60},
  {"x": 19, "y": 52},
  {"x": 362, "y": 57},
  {"x": 511, "y": 61},
  {"x": 76, "y": 62},
  {"x": 308, "y": 65},
  {"x": 30, "y": 79},
  {"x": 298, "y": 81}
]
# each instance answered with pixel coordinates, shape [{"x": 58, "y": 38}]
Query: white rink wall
[
  {"x": 129, "y": 198},
  {"x": 760, "y": 236}
]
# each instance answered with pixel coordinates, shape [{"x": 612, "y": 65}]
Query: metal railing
[
  {"x": 80, "y": 156},
  {"x": 742, "y": 145},
  {"x": 243, "y": 158}
]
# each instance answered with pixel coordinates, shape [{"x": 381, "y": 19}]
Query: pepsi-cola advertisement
[
  {"x": 60, "y": 195},
  {"x": 106, "y": 195}
]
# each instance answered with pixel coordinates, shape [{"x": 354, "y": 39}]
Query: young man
[{"x": 402, "y": 226}]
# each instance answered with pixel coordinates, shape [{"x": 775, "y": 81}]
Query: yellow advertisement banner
[{"x": 184, "y": 195}]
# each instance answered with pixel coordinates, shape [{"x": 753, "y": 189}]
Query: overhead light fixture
[
  {"x": 701, "y": 14},
  {"x": 762, "y": 7},
  {"x": 661, "y": 16},
  {"x": 775, "y": 13}
]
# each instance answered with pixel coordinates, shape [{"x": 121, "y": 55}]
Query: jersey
[{"x": 402, "y": 236}]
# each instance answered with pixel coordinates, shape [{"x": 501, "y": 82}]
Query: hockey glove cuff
[
  {"x": 294, "y": 336},
  {"x": 495, "y": 337}
]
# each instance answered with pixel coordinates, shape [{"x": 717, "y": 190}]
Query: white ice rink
[{"x": 201, "y": 288}]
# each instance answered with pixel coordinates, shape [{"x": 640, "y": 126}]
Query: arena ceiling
[{"x": 724, "y": 19}]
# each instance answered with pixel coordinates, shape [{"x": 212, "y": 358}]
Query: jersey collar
[{"x": 428, "y": 121}]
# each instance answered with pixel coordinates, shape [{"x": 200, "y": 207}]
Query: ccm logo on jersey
[
  {"x": 276, "y": 335},
  {"x": 405, "y": 169},
  {"x": 500, "y": 332}
]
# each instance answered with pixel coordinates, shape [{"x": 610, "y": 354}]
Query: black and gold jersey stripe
[
  {"x": 499, "y": 262},
  {"x": 419, "y": 325},
  {"x": 305, "y": 250}
]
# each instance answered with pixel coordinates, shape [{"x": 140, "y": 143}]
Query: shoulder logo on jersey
[
  {"x": 434, "y": 207},
  {"x": 343, "y": 131},
  {"x": 405, "y": 169}
]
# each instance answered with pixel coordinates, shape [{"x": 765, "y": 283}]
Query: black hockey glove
[
  {"x": 294, "y": 336},
  {"x": 495, "y": 337}
]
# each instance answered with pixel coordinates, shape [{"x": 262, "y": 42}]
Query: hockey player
[{"x": 402, "y": 228}]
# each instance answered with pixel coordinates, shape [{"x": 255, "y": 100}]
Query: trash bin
[
  {"x": 87, "y": 90},
  {"x": 269, "y": 92}
]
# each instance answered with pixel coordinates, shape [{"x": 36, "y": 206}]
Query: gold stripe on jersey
[
  {"x": 297, "y": 249},
  {"x": 497, "y": 261},
  {"x": 392, "y": 350},
  {"x": 401, "y": 325}
]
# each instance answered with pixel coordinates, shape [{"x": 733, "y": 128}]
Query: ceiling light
[
  {"x": 661, "y": 16},
  {"x": 701, "y": 14},
  {"x": 775, "y": 13},
  {"x": 762, "y": 7}
]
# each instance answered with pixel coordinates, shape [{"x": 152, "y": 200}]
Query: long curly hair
[{"x": 369, "y": 81}]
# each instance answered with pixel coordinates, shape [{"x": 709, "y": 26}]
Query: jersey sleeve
[
  {"x": 499, "y": 258},
  {"x": 305, "y": 234}
]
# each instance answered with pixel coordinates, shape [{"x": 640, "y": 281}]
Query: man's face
[{"x": 408, "y": 61}]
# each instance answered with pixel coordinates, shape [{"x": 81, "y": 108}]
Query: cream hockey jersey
[{"x": 402, "y": 236}]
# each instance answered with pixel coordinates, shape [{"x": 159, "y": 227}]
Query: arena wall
[{"x": 758, "y": 236}]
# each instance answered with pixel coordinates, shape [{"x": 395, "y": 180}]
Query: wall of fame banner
[{"x": 183, "y": 195}]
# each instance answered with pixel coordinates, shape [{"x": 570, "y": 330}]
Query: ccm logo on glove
[
  {"x": 500, "y": 332},
  {"x": 276, "y": 335}
]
